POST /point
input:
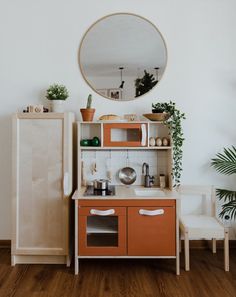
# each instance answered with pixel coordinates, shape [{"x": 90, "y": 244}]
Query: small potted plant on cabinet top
[
  {"x": 57, "y": 94},
  {"x": 88, "y": 112},
  {"x": 160, "y": 111}
]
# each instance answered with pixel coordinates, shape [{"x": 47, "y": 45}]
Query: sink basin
[{"x": 149, "y": 192}]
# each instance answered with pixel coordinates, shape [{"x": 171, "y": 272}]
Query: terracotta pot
[{"x": 87, "y": 114}]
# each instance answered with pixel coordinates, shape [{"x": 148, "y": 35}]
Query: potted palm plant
[
  {"x": 225, "y": 163},
  {"x": 57, "y": 94}
]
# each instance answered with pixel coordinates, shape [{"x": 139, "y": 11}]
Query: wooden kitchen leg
[
  {"x": 76, "y": 238},
  {"x": 76, "y": 266},
  {"x": 186, "y": 250},
  {"x": 13, "y": 262},
  {"x": 178, "y": 237},
  {"x": 177, "y": 264},
  {"x": 226, "y": 250},
  {"x": 213, "y": 245}
]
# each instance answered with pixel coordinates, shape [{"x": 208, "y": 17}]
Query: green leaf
[
  {"x": 225, "y": 163},
  {"x": 229, "y": 209},
  {"x": 226, "y": 195}
]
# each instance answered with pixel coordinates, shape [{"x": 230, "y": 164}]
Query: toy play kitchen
[{"x": 125, "y": 220}]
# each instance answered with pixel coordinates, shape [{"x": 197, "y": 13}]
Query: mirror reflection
[{"x": 122, "y": 56}]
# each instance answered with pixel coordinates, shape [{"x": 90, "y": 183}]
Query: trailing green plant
[
  {"x": 89, "y": 101},
  {"x": 174, "y": 124},
  {"x": 225, "y": 163},
  {"x": 57, "y": 92},
  {"x": 160, "y": 107}
]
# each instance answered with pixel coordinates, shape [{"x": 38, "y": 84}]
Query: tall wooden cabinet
[{"x": 42, "y": 184}]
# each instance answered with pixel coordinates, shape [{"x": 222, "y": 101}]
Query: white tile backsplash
[{"x": 115, "y": 160}]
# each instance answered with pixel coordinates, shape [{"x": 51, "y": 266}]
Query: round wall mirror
[{"x": 122, "y": 56}]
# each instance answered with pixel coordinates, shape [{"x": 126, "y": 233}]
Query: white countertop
[{"x": 128, "y": 192}]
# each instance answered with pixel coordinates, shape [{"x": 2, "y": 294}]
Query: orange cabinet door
[
  {"x": 151, "y": 231},
  {"x": 121, "y": 134},
  {"x": 102, "y": 231}
]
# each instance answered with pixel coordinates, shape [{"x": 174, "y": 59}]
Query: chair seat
[{"x": 202, "y": 226}]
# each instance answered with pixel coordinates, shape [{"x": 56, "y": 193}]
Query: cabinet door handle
[
  {"x": 156, "y": 212},
  {"x": 66, "y": 187},
  {"x": 102, "y": 212},
  {"x": 144, "y": 135}
]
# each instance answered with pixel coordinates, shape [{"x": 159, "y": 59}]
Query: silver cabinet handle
[
  {"x": 102, "y": 212},
  {"x": 156, "y": 212}
]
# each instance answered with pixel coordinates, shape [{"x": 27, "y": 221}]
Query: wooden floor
[{"x": 121, "y": 278}]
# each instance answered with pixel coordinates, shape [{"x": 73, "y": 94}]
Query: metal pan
[
  {"x": 100, "y": 184},
  {"x": 127, "y": 175}
]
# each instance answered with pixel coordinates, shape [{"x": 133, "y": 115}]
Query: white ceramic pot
[{"x": 57, "y": 105}]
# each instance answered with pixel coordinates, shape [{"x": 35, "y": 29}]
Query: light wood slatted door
[{"x": 40, "y": 203}]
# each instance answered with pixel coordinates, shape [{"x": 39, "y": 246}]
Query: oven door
[
  {"x": 124, "y": 134},
  {"x": 102, "y": 231}
]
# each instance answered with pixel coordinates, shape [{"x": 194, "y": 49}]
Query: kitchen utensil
[
  {"x": 108, "y": 167},
  {"x": 127, "y": 175},
  {"x": 93, "y": 168},
  {"x": 100, "y": 184}
]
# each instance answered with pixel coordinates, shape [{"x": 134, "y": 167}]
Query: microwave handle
[{"x": 143, "y": 134}]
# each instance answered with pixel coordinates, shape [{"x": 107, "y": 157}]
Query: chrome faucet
[{"x": 149, "y": 180}]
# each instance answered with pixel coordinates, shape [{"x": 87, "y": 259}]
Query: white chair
[{"x": 198, "y": 220}]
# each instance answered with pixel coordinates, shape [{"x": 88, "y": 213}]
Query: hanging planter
[{"x": 174, "y": 124}]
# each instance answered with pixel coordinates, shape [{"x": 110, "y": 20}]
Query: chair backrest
[{"x": 197, "y": 200}]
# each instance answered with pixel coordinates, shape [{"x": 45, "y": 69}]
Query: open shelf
[
  {"x": 158, "y": 157},
  {"x": 89, "y": 148},
  {"x": 160, "y": 131},
  {"x": 99, "y": 240},
  {"x": 88, "y": 131},
  {"x": 100, "y": 230},
  {"x": 99, "y": 225}
]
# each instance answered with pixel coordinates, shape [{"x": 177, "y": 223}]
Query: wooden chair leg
[
  {"x": 213, "y": 245},
  {"x": 186, "y": 251},
  {"x": 226, "y": 250}
]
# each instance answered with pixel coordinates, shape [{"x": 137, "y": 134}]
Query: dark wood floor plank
[{"x": 121, "y": 278}]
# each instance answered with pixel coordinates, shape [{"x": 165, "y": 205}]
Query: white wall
[{"x": 39, "y": 46}]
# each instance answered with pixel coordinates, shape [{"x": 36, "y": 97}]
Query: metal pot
[
  {"x": 127, "y": 175},
  {"x": 100, "y": 184}
]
